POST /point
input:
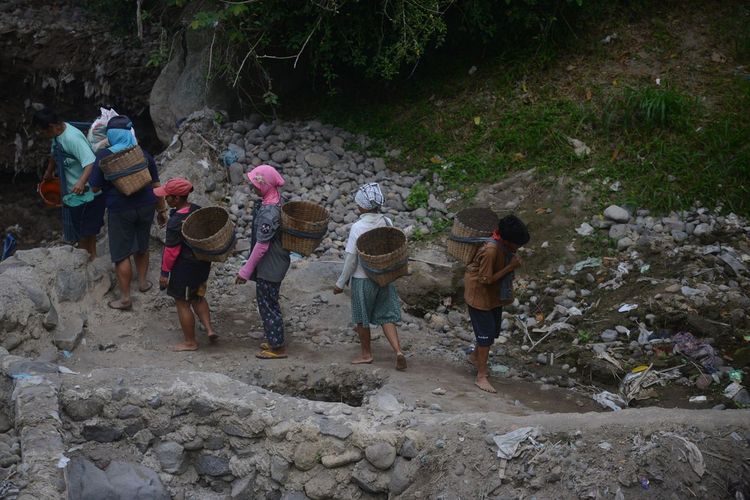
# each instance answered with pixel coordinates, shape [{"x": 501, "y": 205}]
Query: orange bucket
[{"x": 50, "y": 192}]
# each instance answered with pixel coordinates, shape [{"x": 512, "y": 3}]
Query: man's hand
[
  {"x": 80, "y": 187},
  {"x": 239, "y": 280},
  {"x": 161, "y": 218},
  {"x": 337, "y": 290},
  {"x": 163, "y": 282}
]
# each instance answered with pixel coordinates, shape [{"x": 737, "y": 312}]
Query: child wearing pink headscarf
[{"x": 268, "y": 261}]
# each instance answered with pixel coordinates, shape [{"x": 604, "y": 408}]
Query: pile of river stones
[{"x": 322, "y": 164}]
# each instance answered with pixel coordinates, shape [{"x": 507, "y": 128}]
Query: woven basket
[
  {"x": 383, "y": 254},
  {"x": 303, "y": 226},
  {"x": 209, "y": 232},
  {"x": 127, "y": 170},
  {"x": 471, "y": 224}
]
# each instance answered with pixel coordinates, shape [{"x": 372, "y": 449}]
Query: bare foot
[
  {"x": 485, "y": 385},
  {"x": 362, "y": 360},
  {"x": 185, "y": 346},
  {"x": 213, "y": 337},
  {"x": 400, "y": 361}
]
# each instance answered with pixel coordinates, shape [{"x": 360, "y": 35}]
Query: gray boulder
[{"x": 617, "y": 214}]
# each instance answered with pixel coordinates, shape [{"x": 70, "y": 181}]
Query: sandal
[
  {"x": 148, "y": 287},
  {"x": 269, "y": 354},
  {"x": 116, "y": 304}
]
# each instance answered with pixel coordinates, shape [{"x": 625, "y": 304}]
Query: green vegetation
[
  {"x": 584, "y": 337},
  {"x": 418, "y": 196},
  {"x": 669, "y": 144}
]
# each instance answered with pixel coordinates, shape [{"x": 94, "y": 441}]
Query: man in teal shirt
[{"x": 72, "y": 157}]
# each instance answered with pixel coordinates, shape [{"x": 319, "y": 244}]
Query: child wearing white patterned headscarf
[{"x": 371, "y": 303}]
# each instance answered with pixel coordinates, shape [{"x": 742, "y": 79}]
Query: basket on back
[
  {"x": 127, "y": 170},
  {"x": 209, "y": 232},
  {"x": 303, "y": 226},
  {"x": 383, "y": 254},
  {"x": 471, "y": 228}
]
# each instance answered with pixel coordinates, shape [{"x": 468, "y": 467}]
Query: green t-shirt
[{"x": 79, "y": 154}]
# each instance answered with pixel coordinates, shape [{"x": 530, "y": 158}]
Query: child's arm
[
  {"x": 168, "y": 258},
  {"x": 259, "y": 250}
]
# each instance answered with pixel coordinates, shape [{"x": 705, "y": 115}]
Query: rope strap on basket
[
  {"x": 304, "y": 234},
  {"x": 472, "y": 240},
  {"x": 392, "y": 267},
  {"x": 128, "y": 171},
  {"x": 214, "y": 252}
]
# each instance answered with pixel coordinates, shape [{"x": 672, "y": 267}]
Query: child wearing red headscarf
[
  {"x": 268, "y": 261},
  {"x": 182, "y": 274}
]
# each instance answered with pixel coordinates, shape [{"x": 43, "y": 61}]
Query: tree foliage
[{"x": 381, "y": 39}]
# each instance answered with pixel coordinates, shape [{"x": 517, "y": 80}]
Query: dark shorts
[
  {"x": 129, "y": 232},
  {"x": 486, "y": 325},
  {"x": 185, "y": 292},
  {"x": 83, "y": 220}
]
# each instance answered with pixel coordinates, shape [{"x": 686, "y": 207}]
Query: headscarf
[
  {"x": 369, "y": 196},
  {"x": 268, "y": 181},
  {"x": 119, "y": 134}
]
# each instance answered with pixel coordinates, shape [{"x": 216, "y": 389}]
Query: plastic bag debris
[
  {"x": 732, "y": 390},
  {"x": 581, "y": 265},
  {"x": 627, "y": 308},
  {"x": 507, "y": 444},
  {"x": 698, "y": 399},
  {"x": 579, "y": 147},
  {"x": 695, "y": 457},
  {"x": 702, "y": 352},
  {"x": 610, "y": 400},
  {"x": 66, "y": 371},
  {"x": 62, "y": 461}
]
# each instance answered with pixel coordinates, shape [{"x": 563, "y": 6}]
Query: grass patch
[{"x": 666, "y": 146}]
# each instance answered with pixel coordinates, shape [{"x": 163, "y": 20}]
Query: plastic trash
[
  {"x": 735, "y": 376},
  {"x": 583, "y": 264},
  {"x": 645, "y": 484},
  {"x": 610, "y": 400},
  {"x": 698, "y": 399},
  {"x": 228, "y": 157},
  {"x": 695, "y": 457},
  {"x": 732, "y": 389},
  {"x": 9, "y": 246},
  {"x": 67, "y": 354},
  {"x": 507, "y": 444}
]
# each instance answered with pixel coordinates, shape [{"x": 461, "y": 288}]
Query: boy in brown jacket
[{"x": 488, "y": 285}]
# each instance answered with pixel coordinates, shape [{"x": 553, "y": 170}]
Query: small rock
[
  {"x": 541, "y": 358},
  {"x": 609, "y": 335},
  {"x": 381, "y": 455},
  {"x": 171, "y": 457},
  {"x": 439, "y": 391},
  {"x": 212, "y": 465},
  {"x": 617, "y": 214},
  {"x": 350, "y": 456}
]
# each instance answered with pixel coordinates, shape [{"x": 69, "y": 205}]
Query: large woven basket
[
  {"x": 383, "y": 254},
  {"x": 471, "y": 227},
  {"x": 127, "y": 170},
  {"x": 303, "y": 226},
  {"x": 209, "y": 232}
]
